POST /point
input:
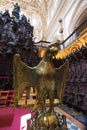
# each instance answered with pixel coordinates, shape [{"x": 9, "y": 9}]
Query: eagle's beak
[{"x": 54, "y": 49}]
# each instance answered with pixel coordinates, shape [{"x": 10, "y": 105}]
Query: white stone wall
[{"x": 71, "y": 13}]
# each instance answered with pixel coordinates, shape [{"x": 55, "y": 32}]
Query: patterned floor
[
  {"x": 77, "y": 115},
  {"x": 82, "y": 118},
  {"x": 71, "y": 126}
]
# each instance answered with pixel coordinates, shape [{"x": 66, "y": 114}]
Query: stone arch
[{"x": 79, "y": 15}]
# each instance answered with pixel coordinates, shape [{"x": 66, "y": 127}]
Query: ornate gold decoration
[{"x": 82, "y": 41}]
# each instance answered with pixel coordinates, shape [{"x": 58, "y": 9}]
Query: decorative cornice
[{"x": 82, "y": 41}]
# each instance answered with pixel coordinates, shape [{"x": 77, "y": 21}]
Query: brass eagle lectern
[{"x": 45, "y": 78}]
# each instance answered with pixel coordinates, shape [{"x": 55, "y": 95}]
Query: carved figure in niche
[
  {"x": 23, "y": 19},
  {"x": 8, "y": 34},
  {"x": 6, "y": 17},
  {"x": 16, "y": 11}
]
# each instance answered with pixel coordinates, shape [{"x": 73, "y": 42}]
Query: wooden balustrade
[{"x": 7, "y": 98}]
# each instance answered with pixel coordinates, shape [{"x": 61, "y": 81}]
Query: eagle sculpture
[{"x": 44, "y": 77}]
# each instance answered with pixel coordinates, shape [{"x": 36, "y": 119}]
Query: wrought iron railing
[
  {"x": 70, "y": 39},
  {"x": 74, "y": 35}
]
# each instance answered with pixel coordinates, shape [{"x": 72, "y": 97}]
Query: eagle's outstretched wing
[
  {"x": 60, "y": 79},
  {"x": 23, "y": 76}
]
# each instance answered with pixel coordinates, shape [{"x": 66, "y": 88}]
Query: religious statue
[
  {"x": 16, "y": 11},
  {"x": 45, "y": 78}
]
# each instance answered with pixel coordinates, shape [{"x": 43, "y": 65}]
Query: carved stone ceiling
[{"x": 28, "y": 7}]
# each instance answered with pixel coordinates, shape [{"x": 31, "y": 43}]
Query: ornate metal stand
[
  {"x": 47, "y": 121},
  {"x": 46, "y": 79}
]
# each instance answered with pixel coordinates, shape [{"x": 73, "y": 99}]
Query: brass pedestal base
[{"x": 48, "y": 121}]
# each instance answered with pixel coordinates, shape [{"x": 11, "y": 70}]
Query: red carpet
[{"x": 10, "y": 118}]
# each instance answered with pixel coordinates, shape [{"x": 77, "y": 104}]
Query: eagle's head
[{"x": 53, "y": 49}]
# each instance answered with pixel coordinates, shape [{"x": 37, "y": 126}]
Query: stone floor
[{"x": 77, "y": 115}]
